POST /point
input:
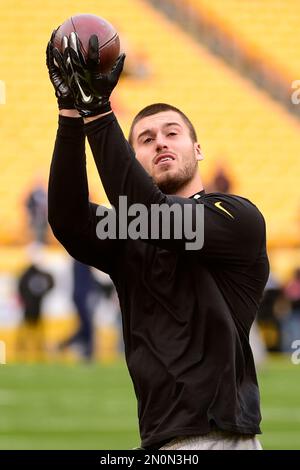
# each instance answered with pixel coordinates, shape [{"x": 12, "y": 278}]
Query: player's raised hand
[
  {"x": 90, "y": 87},
  {"x": 58, "y": 78}
]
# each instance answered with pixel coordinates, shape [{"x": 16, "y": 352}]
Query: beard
[{"x": 170, "y": 183}]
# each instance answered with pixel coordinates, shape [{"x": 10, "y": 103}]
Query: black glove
[
  {"x": 91, "y": 88},
  {"x": 58, "y": 77}
]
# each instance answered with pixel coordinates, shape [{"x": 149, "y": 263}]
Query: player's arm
[{"x": 71, "y": 216}]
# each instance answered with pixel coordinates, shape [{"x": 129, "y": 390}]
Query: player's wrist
[
  {"x": 72, "y": 113},
  {"x": 94, "y": 118},
  {"x": 96, "y": 108}
]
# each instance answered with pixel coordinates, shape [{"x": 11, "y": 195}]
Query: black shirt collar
[{"x": 198, "y": 195}]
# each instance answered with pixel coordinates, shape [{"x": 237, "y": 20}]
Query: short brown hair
[{"x": 159, "y": 108}]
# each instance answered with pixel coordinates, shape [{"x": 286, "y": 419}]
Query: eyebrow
[{"x": 148, "y": 131}]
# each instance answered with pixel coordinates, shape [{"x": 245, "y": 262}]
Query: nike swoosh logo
[
  {"x": 218, "y": 205},
  {"x": 73, "y": 44},
  {"x": 85, "y": 98}
]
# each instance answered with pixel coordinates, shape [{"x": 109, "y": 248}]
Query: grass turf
[{"x": 59, "y": 406}]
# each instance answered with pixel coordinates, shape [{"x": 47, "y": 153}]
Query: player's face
[{"x": 164, "y": 147}]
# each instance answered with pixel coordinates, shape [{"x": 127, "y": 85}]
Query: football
[{"x": 86, "y": 25}]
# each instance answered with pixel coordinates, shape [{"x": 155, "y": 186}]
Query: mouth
[{"x": 164, "y": 158}]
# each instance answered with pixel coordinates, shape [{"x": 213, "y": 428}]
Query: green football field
[{"x": 93, "y": 406}]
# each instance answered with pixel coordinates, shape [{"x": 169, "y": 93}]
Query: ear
[{"x": 198, "y": 152}]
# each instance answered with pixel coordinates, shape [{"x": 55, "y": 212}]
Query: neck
[{"x": 192, "y": 187}]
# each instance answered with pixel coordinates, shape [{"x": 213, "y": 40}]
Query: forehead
[{"x": 158, "y": 121}]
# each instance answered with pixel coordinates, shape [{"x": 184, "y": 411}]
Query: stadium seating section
[{"x": 267, "y": 28}]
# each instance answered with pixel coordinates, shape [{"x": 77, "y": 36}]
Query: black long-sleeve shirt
[{"x": 186, "y": 314}]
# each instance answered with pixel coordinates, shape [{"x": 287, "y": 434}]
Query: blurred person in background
[
  {"x": 34, "y": 283},
  {"x": 82, "y": 341},
  {"x": 221, "y": 181},
  {"x": 272, "y": 311},
  {"x": 292, "y": 292},
  {"x": 108, "y": 308},
  {"x": 290, "y": 323},
  {"x": 186, "y": 313},
  {"x": 37, "y": 206}
]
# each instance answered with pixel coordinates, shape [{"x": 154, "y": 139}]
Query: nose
[{"x": 161, "y": 142}]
